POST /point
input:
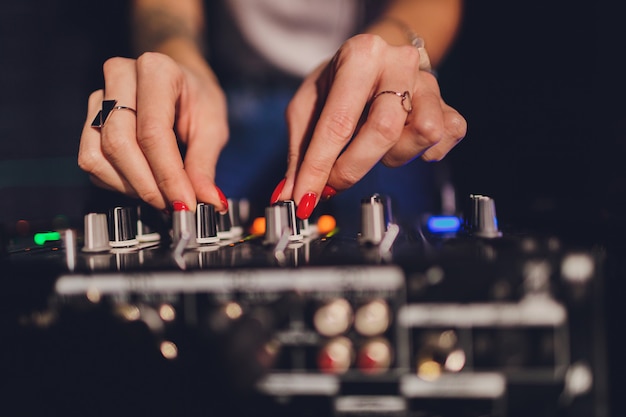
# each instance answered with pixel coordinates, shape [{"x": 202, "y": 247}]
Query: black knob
[
  {"x": 121, "y": 227},
  {"x": 206, "y": 224}
]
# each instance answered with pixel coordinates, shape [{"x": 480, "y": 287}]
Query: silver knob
[
  {"x": 184, "y": 228},
  {"x": 373, "y": 223},
  {"x": 483, "y": 221},
  {"x": 276, "y": 221},
  {"x": 292, "y": 221},
  {"x": 96, "y": 233}
]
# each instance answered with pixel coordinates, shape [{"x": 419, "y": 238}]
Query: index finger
[
  {"x": 338, "y": 120},
  {"x": 159, "y": 85}
]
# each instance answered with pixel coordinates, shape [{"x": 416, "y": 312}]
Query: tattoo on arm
[{"x": 153, "y": 27}]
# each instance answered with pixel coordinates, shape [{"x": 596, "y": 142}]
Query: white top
[{"x": 295, "y": 35}]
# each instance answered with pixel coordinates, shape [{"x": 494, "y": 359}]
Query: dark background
[{"x": 543, "y": 140}]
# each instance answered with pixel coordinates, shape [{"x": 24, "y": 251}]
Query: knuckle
[
  {"x": 410, "y": 55},
  {"x": 457, "y": 126},
  {"x": 366, "y": 41},
  {"x": 88, "y": 160},
  {"x": 392, "y": 161},
  {"x": 340, "y": 127},
  {"x": 167, "y": 182},
  {"x": 148, "y": 136},
  {"x": 344, "y": 176},
  {"x": 114, "y": 65},
  {"x": 431, "y": 131},
  {"x": 113, "y": 143},
  {"x": 433, "y": 155},
  {"x": 364, "y": 45},
  {"x": 95, "y": 98},
  {"x": 149, "y": 62},
  {"x": 387, "y": 130},
  {"x": 317, "y": 168},
  {"x": 293, "y": 157},
  {"x": 151, "y": 196}
]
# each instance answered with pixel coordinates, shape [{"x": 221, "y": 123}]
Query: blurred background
[{"x": 527, "y": 76}]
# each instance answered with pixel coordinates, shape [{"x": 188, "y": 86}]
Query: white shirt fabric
[{"x": 295, "y": 35}]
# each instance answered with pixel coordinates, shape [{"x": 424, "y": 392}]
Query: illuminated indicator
[
  {"x": 444, "y": 224},
  {"x": 258, "y": 226},
  {"x": 43, "y": 237},
  {"x": 326, "y": 224}
]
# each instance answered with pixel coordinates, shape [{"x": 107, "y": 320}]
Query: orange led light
[
  {"x": 326, "y": 224},
  {"x": 258, "y": 226}
]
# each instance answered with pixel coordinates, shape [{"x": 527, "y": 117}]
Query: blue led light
[{"x": 444, "y": 224}]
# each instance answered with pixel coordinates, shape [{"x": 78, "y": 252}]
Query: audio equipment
[{"x": 196, "y": 316}]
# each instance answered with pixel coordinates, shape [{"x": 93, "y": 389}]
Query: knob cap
[
  {"x": 224, "y": 226},
  {"x": 276, "y": 219},
  {"x": 184, "y": 222},
  {"x": 96, "y": 233},
  {"x": 236, "y": 215},
  {"x": 145, "y": 233},
  {"x": 483, "y": 221},
  {"x": 121, "y": 231},
  {"x": 373, "y": 224},
  {"x": 206, "y": 225},
  {"x": 292, "y": 220}
]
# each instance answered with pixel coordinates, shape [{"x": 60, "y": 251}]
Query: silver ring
[
  {"x": 108, "y": 107},
  {"x": 404, "y": 96}
]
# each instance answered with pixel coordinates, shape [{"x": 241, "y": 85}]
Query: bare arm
[
  {"x": 436, "y": 21},
  {"x": 172, "y": 27}
]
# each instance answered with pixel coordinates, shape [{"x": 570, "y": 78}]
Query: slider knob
[
  {"x": 373, "y": 224},
  {"x": 483, "y": 221},
  {"x": 121, "y": 230}
]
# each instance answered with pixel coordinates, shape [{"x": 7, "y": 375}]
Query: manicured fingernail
[
  {"x": 328, "y": 192},
  {"x": 279, "y": 189},
  {"x": 306, "y": 206},
  {"x": 179, "y": 206},
  {"x": 223, "y": 198}
]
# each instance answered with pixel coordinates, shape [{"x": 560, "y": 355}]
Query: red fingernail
[
  {"x": 279, "y": 189},
  {"x": 223, "y": 198},
  {"x": 179, "y": 206},
  {"x": 306, "y": 206},
  {"x": 328, "y": 192}
]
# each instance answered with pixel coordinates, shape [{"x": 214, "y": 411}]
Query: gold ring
[{"x": 406, "y": 104}]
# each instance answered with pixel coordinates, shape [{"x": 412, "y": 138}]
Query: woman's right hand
[{"x": 138, "y": 155}]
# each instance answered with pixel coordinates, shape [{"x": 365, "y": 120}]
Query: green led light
[
  {"x": 332, "y": 232},
  {"x": 43, "y": 237}
]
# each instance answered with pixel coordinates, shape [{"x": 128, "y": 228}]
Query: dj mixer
[{"x": 193, "y": 315}]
